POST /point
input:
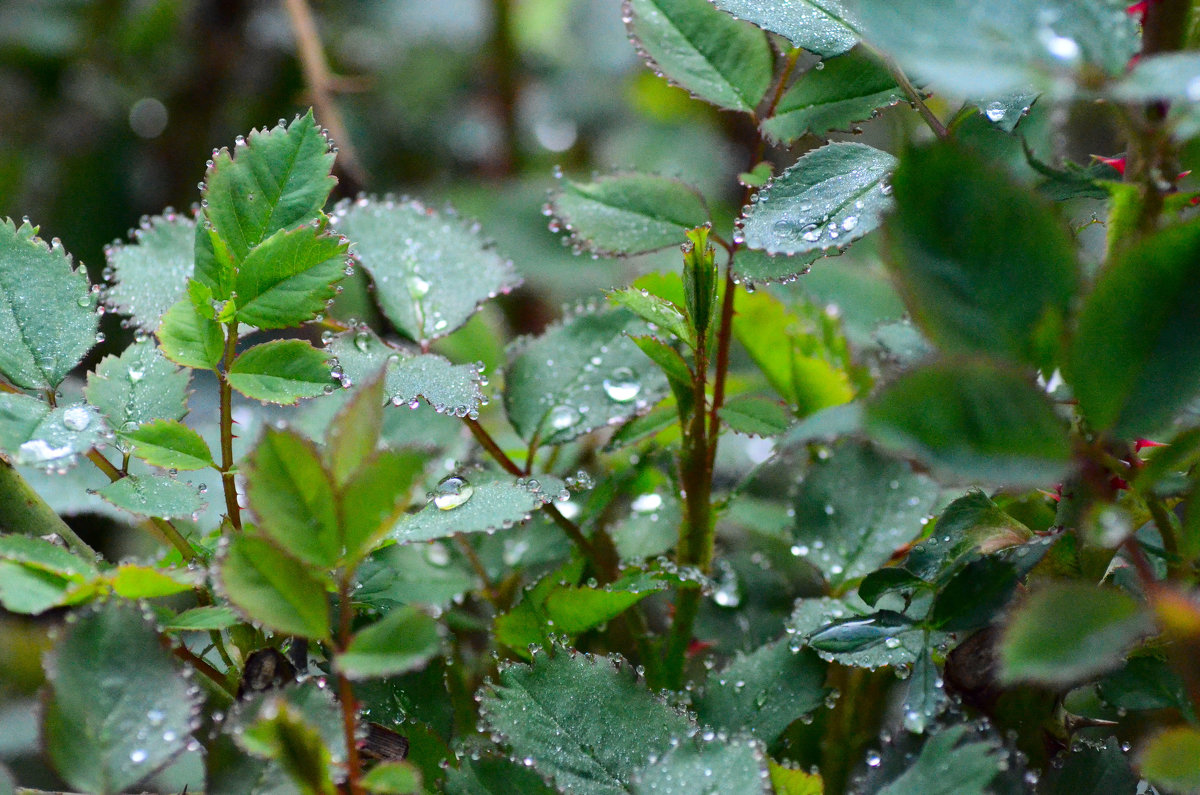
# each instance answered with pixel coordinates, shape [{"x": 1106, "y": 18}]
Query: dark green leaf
[
  {"x": 825, "y": 27},
  {"x": 1171, "y": 759},
  {"x": 1135, "y": 359},
  {"x": 352, "y": 436},
  {"x": 628, "y": 213},
  {"x": 756, "y": 416},
  {"x": 373, "y": 497},
  {"x": 692, "y": 768},
  {"x": 854, "y": 508},
  {"x": 579, "y": 376},
  {"x": 1068, "y": 632},
  {"x": 580, "y": 720},
  {"x": 847, "y": 89},
  {"x": 972, "y": 420},
  {"x": 952, "y": 762},
  {"x": 281, "y": 371},
  {"x": 968, "y": 280},
  {"x": 148, "y": 495},
  {"x": 1015, "y": 45},
  {"x": 38, "y": 553},
  {"x": 282, "y": 734},
  {"x": 169, "y": 444},
  {"x": 831, "y": 197},
  {"x": 925, "y": 696},
  {"x": 1145, "y": 683},
  {"x": 151, "y": 274},
  {"x": 273, "y": 588},
  {"x": 292, "y": 495},
  {"x": 845, "y": 634},
  {"x": 489, "y": 776},
  {"x": 431, "y": 270},
  {"x": 1091, "y": 769},
  {"x": 764, "y": 692},
  {"x": 105, "y": 730},
  {"x": 137, "y": 386},
  {"x": 188, "y": 338},
  {"x": 202, "y": 619},
  {"x": 883, "y": 581},
  {"x": 718, "y": 59},
  {"x": 289, "y": 277},
  {"x": 403, "y": 640},
  {"x": 47, "y": 311},
  {"x": 33, "y": 434},
  {"x": 477, "y": 505},
  {"x": 974, "y": 596}
]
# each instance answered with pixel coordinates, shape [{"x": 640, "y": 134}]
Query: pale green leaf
[
  {"x": 188, "y": 338},
  {"x": 289, "y": 277},
  {"x": 292, "y": 495},
  {"x": 354, "y": 432},
  {"x": 490, "y": 504},
  {"x": 151, "y": 273},
  {"x": 582, "y": 721},
  {"x": 718, "y": 59},
  {"x": 31, "y": 591},
  {"x": 656, "y": 310},
  {"x": 1171, "y": 759},
  {"x": 138, "y": 386},
  {"x": 831, "y": 197},
  {"x": 147, "y": 495},
  {"x": 841, "y": 632},
  {"x": 628, "y": 213},
  {"x": 825, "y": 27},
  {"x": 281, "y": 371},
  {"x": 370, "y": 501},
  {"x": 133, "y": 581},
  {"x": 393, "y": 778},
  {"x": 578, "y": 376},
  {"x": 33, "y": 434},
  {"x": 756, "y": 416},
  {"x": 273, "y": 588},
  {"x": 847, "y": 89},
  {"x": 404, "y": 640},
  {"x": 754, "y": 266},
  {"x": 38, "y": 553},
  {"x": 105, "y": 730},
  {"x": 47, "y": 312},
  {"x": 431, "y": 270},
  {"x": 169, "y": 444},
  {"x": 418, "y": 574},
  {"x": 855, "y": 507},
  {"x": 715, "y": 768},
  {"x": 202, "y": 619}
]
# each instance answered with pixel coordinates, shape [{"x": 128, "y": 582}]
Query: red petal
[{"x": 1116, "y": 162}]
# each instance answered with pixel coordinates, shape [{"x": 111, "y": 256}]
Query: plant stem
[
  {"x": 489, "y": 589},
  {"x": 1170, "y": 539},
  {"x": 204, "y": 667},
  {"x": 489, "y": 444},
  {"x": 164, "y": 527},
  {"x": 22, "y": 510},
  {"x": 346, "y": 691},
  {"x": 914, "y": 96},
  {"x": 228, "y": 481}
]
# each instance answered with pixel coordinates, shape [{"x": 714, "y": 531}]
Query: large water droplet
[
  {"x": 646, "y": 503},
  {"x": 563, "y": 417},
  {"x": 451, "y": 492},
  {"x": 77, "y": 418},
  {"x": 622, "y": 386},
  {"x": 995, "y": 111},
  {"x": 811, "y": 233},
  {"x": 138, "y": 755}
]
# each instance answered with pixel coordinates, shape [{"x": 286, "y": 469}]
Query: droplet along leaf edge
[
  {"x": 827, "y": 30},
  {"x": 169, "y": 262}
]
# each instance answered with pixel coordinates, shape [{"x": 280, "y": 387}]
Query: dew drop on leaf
[
  {"x": 451, "y": 492},
  {"x": 563, "y": 417},
  {"x": 76, "y": 418},
  {"x": 995, "y": 111},
  {"x": 622, "y": 386}
]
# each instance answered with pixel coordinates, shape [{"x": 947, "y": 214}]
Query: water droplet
[
  {"x": 77, "y": 418},
  {"x": 622, "y": 386},
  {"x": 995, "y": 111},
  {"x": 811, "y": 233},
  {"x": 873, "y": 759},
  {"x": 451, "y": 492},
  {"x": 563, "y": 417},
  {"x": 850, "y": 222},
  {"x": 417, "y": 287},
  {"x": 138, "y": 755},
  {"x": 646, "y": 503},
  {"x": 892, "y": 643}
]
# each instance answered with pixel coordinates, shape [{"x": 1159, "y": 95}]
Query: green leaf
[
  {"x": 758, "y": 266},
  {"x": 845, "y": 90},
  {"x": 582, "y": 721},
  {"x": 47, "y": 313},
  {"x": 1091, "y": 769},
  {"x": 764, "y": 692},
  {"x": 579, "y": 376},
  {"x": 973, "y": 597},
  {"x": 691, "y": 767},
  {"x": 628, "y": 213},
  {"x": 31, "y": 591},
  {"x": 1171, "y": 759},
  {"x": 969, "y": 282},
  {"x": 756, "y": 416},
  {"x": 282, "y": 734},
  {"x": 169, "y": 444},
  {"x": 274, "y": 588},
  {"x": 576, "y": 610},
  {"x": 147, "y": 495},
  {"x": 490, "y": 776},
  {"x": 431, "y": 270},
  {"x": 972, "y": 420},
  {"x": 202, "y": 619},
  {"x": 354, "y": 432},
  {"x": 822, "y": 26},
  {"x": 831, "y": 197},
  {"x": 277, "y": 179},
  {"x": 404, "y": 640},
  {"x": 151, "y": 274},
  {"x": 839, "y": 632},
  {"x": 1068, "y": 632},
  {"x": 33, "y": 434},
  {"x": 307, "y": 704},
  {"x": 791, "y": 781},
  {"x": 951, "y": 762},
  {"x": 419, "y": 574},
  {"x": 138, "y": 386},
  {"x": 1016, "y": 45},
  {"x": 132, "y": 581},
  {"x": 652, "y": 309},
  {"x": 371, "y": 500},
  {"x": 677, "y": 371},
  {"x": 925, "y": 697},
  {"x": 1135, "y": 358},
  {"x": 189, "y": 339},
  {"x": 825, "y": 425},
  {"x": 104, "y": 729},
  {"x": 1163, "y": 77},
  {"x": 292, "y": 495},
  {"x": 490, "y": 504},
  {"x": 448, "y": 388},
  {"x": 1007, "y": 110},
  {"x": 855, "y": 507},
  {"x": 289, "y": 277},
  {"x": 718, "y": 59},
  {"x": 393, "y": 778},
  {"x": 281, "y": 371},
  {"x": 38, "y": 553}
]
